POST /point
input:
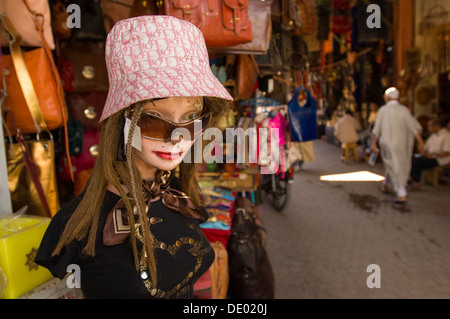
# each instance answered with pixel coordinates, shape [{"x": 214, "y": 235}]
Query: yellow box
[{"x": 20, "y": 238}]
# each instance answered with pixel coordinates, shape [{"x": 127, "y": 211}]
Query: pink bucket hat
[{"x": 157, "y": 56}]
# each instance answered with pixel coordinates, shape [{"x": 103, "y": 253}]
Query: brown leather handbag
[
  {"x": 59, "y": 21},
  {"x": 86, "y": 107},
  {"x": 223, "y": 22},
  {"x": 246, "y": 75},
  {"x": 259, "y": 12},
  {"x": 86, "y": 61}
]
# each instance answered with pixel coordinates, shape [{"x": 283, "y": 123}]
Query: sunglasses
[{"x": 157, "y": 128}]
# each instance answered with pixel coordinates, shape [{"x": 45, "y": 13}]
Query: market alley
[{"x": 322, "y": 244}]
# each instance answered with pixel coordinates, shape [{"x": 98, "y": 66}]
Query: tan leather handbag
[
  {"x": 222, "y": 22},
  {"x": 32, "y": 78}
]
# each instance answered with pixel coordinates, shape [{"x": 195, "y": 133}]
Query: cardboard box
[{"x": 20, "y": 238}]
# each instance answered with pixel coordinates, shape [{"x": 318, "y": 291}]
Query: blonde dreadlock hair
[{"x": 84, "y": 222}]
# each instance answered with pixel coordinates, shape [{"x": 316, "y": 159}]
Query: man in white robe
[{"x": 395, "y": 130}]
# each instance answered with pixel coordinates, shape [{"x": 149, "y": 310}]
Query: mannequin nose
[{"x": 176, "y": 138}]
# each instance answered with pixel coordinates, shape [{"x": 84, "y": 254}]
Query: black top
[{"x": 182, "y": 254}]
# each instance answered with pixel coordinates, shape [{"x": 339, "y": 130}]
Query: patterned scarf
[{"x": 117, "y": 227}]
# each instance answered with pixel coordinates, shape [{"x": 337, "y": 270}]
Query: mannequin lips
[{"x": 168, "y": 155}]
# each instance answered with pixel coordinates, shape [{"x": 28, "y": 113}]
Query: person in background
[
  {"x": 347, "y": 127},
  {"x": 394, "y": 132},
  {"x": 437, "y": 151}
]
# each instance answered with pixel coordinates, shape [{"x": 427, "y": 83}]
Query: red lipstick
[{"x": 168, "y": 156}]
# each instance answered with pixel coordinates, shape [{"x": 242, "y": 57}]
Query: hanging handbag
[
  {"x": 114, "y": 11},
  {"x": 21, "y": 14},
  {"x": 146, "y": 7},
  {"x": 32, "y": 173},
  {"x": 86, "y": 107},
  {"x": 259, "y": 12},
  {"x": 309, "y": 16},
  {"x": 251, "y": 274},
  {"x": 35, "y": 73},
  {"x": 60, "y": 15},
  {"x": 246, "y": 75},
  {"x": 291, "y": 18},
  {"x": 223, "y": 22},
  {"x": 83, "y": 66},
  {"x": 271, "y": 62},
  {"x": 35, "y": 96},
  {"x": 302, "y": 118}
]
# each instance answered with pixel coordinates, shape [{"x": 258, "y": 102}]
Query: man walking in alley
[{"x": 394, "y": 132}]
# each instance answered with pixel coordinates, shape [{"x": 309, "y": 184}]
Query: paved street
[{"x": 321, "y": 245}]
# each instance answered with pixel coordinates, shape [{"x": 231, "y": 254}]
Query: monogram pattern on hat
[{"x": 154, "y": 57}]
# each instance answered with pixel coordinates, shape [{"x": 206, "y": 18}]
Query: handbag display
[
  {"x": 251, "y": 274},
  {"x": 20, "y": 13},
  {"x": 83, "y": 66},
  {"x": 223, "y": 22},
  {"x": 35, "y": 72},
  {"x": 259, "y": 12}
]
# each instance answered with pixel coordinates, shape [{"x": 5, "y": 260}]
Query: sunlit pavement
[{"x": 321, "y": 245}]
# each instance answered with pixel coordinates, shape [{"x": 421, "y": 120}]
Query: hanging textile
[{"x": 302, "y": 118}]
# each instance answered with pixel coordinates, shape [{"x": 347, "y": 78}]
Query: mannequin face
[{"x": 167, "y": 155}]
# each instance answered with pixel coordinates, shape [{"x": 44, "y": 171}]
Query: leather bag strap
[
  {"x": 23, "y": 77},
  {"x": 39, "y": 25}
]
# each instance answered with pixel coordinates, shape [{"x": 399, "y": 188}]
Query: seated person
[
  {"x": 346, "y": 128},
  {"x": 437, "y": 151}
]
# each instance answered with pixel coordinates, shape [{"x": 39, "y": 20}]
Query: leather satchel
[
  {"x": 223, "y": 23},
  {"x": 259, "y": 12},
  {"x": 251, "y": 274}
]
